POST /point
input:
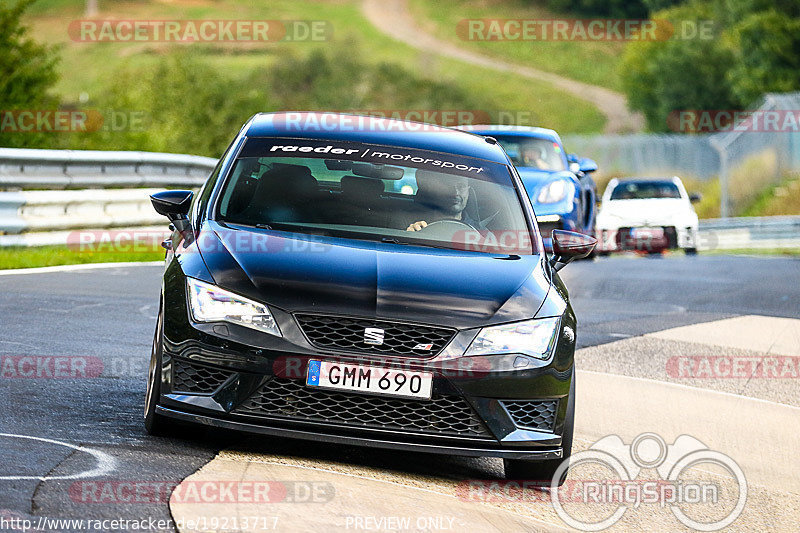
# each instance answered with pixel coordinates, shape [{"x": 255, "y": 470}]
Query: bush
[
  {"x": 193, "y": 108},
  {"x": 660, "y": 77},
  {"x": 757, "y": 50},
  {"x": 767, "y": 51},
  {"x": 27, "y": 72}
]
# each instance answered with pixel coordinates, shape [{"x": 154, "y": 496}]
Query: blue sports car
[{"x": 559, "y": 185}]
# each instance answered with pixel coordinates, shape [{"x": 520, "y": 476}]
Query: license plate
[
  {"x": 369, "y": 379},
  {"x": 647, "y": 233}
]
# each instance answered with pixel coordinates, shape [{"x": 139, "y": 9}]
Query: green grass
[
  {"x": 590, "y": 62},
  {"x": 786, "y": 252},
  {"x": 41, "y": 256},
  {"x": 781, "y": 199},
  {"x": 88, "y": 67}
]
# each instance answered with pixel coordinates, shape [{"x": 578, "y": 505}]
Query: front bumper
[
  {"x": 237, "y": 378},
  {"x": 389, "y": 444}
]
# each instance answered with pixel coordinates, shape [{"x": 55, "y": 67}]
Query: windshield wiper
[
  {"x": 263, "y": 226},
  {"x": 392, "y": 240}
]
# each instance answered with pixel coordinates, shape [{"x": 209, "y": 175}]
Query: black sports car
[{"x": 372, "y": 282}]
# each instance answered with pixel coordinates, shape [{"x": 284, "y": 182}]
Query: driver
[
  {"x": 535, "y": 156},
  {"x": 445, "y": 196}
]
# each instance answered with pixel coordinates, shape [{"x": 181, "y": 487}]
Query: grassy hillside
[
  {"x": 590, "y": 62},
  {"x": 88, "y": 70}
]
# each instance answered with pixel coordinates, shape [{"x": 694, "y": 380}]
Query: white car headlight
[
  {"x": 531, "y": 337},
  {"x": 209, "y": 303},
  {"x": 555, "y": 191}
]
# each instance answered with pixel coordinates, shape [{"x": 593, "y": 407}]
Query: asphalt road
[{"x": 107, "y": 316}]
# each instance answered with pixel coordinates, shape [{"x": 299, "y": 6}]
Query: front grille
[
  {"x": 196, "y": 379},
  {"x": 532, "y": 414},
  {"x": 289, "y": 399},
  {"x": 347, "y": 334}
]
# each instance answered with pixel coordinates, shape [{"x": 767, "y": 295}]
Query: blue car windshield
[
  {"x": 376, "y": 193},
  {"x": 541, "y": 154}
]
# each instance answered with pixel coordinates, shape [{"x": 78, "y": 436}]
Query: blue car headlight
[
  {"x": 530, "y": 337},
  {"x": 555, "y": 191},
  {"x": 209, "y": 303}
]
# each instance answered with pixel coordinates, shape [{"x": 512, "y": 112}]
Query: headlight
[
  {"x": 209, "y": 303},
  {"x": 555, "y": 191},
  {"x": 531, "y": 337}
]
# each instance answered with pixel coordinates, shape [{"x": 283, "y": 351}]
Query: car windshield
[
  {"x": 452, "y": 202},
  {"x": 542, "y": 154},
  {"x": 641, "y": 190}
]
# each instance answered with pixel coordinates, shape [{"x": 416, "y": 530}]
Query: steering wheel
[
  {"x": 453, "y": 221},
  {"x": 445, "y": 229}
]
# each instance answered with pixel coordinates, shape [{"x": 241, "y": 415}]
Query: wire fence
[{"x": 754, "y": 151}]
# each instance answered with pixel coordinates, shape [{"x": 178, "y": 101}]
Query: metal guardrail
[
  {"x": 22, "y": 168},
  {"x": 750, "y": 232},
  {"x": 38, "y": 204},
  {"x": 35, "y": 217},
  {"x": 36, "y": 211}
]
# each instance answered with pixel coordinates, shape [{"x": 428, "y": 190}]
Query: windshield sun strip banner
[{"x": 377, "y": 154}]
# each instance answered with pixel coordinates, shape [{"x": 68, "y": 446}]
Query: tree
[
  {"x": 664, "y": 77},
  {"x": 766, "y": 47},
  {"x": 27, "y": 72}
]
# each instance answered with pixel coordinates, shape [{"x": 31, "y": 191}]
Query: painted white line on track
[
  {"x": 105, "y": 463},
  {"x": 71, "y": 268},
  {"x": 694, "y": 389},
  {"x": 768, "y": 334},
  {"x": 758, "y": 434}
]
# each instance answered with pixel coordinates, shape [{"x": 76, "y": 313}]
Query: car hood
[
  {"x": 538, "y": 176},
  {"x": 328, "y": 275},
  {"x": 534, "y": 178}
]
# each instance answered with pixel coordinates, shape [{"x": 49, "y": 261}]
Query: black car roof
[{"x": 373, "y": 130}]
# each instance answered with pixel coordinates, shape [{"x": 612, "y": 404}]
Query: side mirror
[
  {"x": 174, "y": 205},
  {"x": 587, "y": 165},
  {"x": 568, "y": 246},
  {"x": 695, "y": 197}
]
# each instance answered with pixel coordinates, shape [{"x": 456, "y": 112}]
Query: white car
[{"x": 647, "y": 214}]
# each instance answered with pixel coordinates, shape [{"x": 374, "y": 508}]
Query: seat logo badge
[{"x": 373, "y": 336}]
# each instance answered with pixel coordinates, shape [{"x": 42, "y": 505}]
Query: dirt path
[{"x": 393, "y": 18}]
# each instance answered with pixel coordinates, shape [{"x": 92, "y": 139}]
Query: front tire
[
  {"x": 690, "y": 251},
  {"x": 154, "y": 423},
  {"x": 542, "y": 472}
]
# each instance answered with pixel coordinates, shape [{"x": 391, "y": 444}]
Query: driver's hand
[{"x": 416, "y": 226}]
